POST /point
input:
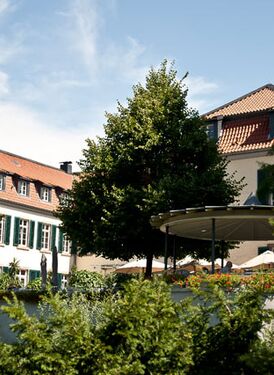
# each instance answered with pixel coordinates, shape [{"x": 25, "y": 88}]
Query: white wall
[
  {"x": 29, "y": 259},
  {"x": 246, "y": 165}
]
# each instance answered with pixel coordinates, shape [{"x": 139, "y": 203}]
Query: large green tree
[{"x": 155, "y": 156}]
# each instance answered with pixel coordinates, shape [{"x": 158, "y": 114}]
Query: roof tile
[
  {"x": 259, "y": 100},
  {"x": 245, "y": 134},
  {"x": 32, "y": 170}
]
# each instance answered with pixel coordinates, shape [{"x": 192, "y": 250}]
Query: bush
[
  {"x": 4, "y": 281},
  {"x": 140, "y": 330},
  {"x": 86, "y": 281},
  {"x": 225, "y": 326},
  {"x": 143, "y": 333},
  {"x": 59, "y": 340}
]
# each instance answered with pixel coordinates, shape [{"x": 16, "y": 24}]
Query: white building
[
  {"x": 29, "y": 193},
  {"x": 244, "y": 130}
]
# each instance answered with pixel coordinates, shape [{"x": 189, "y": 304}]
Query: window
[
  {"x": 23, "y": 188},
  {"x": 2, "y": 182},
  {"x": 45, "y": 240},
  {"x": 46, "y": 236},
  {"x": 64, "y": 198},
  {"x": 64, "y": 281},
  {"x": 66, "y": 244},
  {"x": 22, "y": 277},
  {"x": 45, "y": 194},
  {"x": 23, "y": 232}
]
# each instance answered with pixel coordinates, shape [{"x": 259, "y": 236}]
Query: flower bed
[{"x": 261, "y": 281}]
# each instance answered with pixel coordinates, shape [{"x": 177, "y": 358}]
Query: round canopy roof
[{"x": 232, "y": 223}]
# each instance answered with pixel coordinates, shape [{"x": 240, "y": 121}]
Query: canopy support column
[
  {"x": 213, "y": 246},
  {"x": 166, "y": 245},
  {"x": 174, "y": 253}
]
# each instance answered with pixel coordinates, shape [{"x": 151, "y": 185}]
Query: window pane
[
  {"x": 23, "y": 232},
  {"x": 45, "y": 236},
  {"x": 2, "y": 182},
  {"x": 23, "y": 188},
  {"x": 66, "y": 245},
  {"x": 45, "y": 194}
]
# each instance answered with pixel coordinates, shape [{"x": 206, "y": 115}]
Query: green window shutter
[
  {"x": 53, "y": 236},
  {"x": 33, "y": 274},
  {"x": 16, "y": 231},
  {"x": 60, "y": 241},
  {"x": 7, "y": 230},
  {"x": 262, "y": 249},
  {"x": 271, "y": 125},
  {"x": 262, "y": 177},
  {"x": 39, "y": 236},
  {"x": 59, "y": 279},
  {"x": 31, "y": 234},
  {"x": 6, "y": 269},
  {"x": 50, "y": 195}
]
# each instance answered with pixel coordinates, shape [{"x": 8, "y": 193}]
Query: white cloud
[
  {"x": 9, "y": 48},
  {"x": 4, "y": 6},
  {"x": 86, "y": 31},
  {"x": 26, "y": 134},
  {"x": 4, "y": 84},
  {"x": 200, "y": 86},
  {"x": 200, "y": 92}
]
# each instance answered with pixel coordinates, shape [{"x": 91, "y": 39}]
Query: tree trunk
[{"x": 149, "y": 266}]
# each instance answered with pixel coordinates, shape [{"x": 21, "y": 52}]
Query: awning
[{"x": 232, "y": 223}]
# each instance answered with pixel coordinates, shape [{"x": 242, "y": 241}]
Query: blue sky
[{"x": 64, "y": 63}]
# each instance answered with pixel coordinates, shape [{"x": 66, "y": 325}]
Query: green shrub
[
  {"x": 140, "y": 330},
  {"x": 260, "y": 359},
  {"x": 86, "y": 280},
  {"x": 4, "y": 281},
  {"x": 143, "y": 333},
  {"x": 35, "y": 284},
  {"x": 58, "y": 341},
  {"x": 225, "y": 326}
]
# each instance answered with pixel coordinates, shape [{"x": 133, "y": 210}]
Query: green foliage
[
  {"x": 221, "y": 346},
  {"x": 35, "y": 284},
  {"x": 86, "y": 280},
  {"x": 59, "y": 341},
  {"x": 155, "y": 157},
  {"x": 14, "y": 268},
  {"x": 10, "y": 280},
  {"x": 4, "y": 281},
  {"x": 265, "y": 182},
  {"x": 142, "y": 331},
  {"x": 260, "y": 359},
  {"x": 144, "y": 334}
]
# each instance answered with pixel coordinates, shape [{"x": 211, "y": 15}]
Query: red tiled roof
[
  {"x": 32, "y": 170},
  {"x": 258, "y": 100},
  {"x": 245, "y": 134},
  {"x": 38, "y": 174}
]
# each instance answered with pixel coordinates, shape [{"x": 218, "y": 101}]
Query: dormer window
[
  {"x": 214, "y": 128},
  {"x": 23, "y": 188},
  {"x": 2, "y": 182},
  {"x": 45, "y": 194},
  {"x": 64, "y": 198}
]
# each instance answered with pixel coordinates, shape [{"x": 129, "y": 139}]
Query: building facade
[
  {"x": 244, "y": 131},
  {"x": 29, "y": 193}
]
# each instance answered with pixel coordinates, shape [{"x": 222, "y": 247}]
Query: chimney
[{"x": 66, "y": 166}]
